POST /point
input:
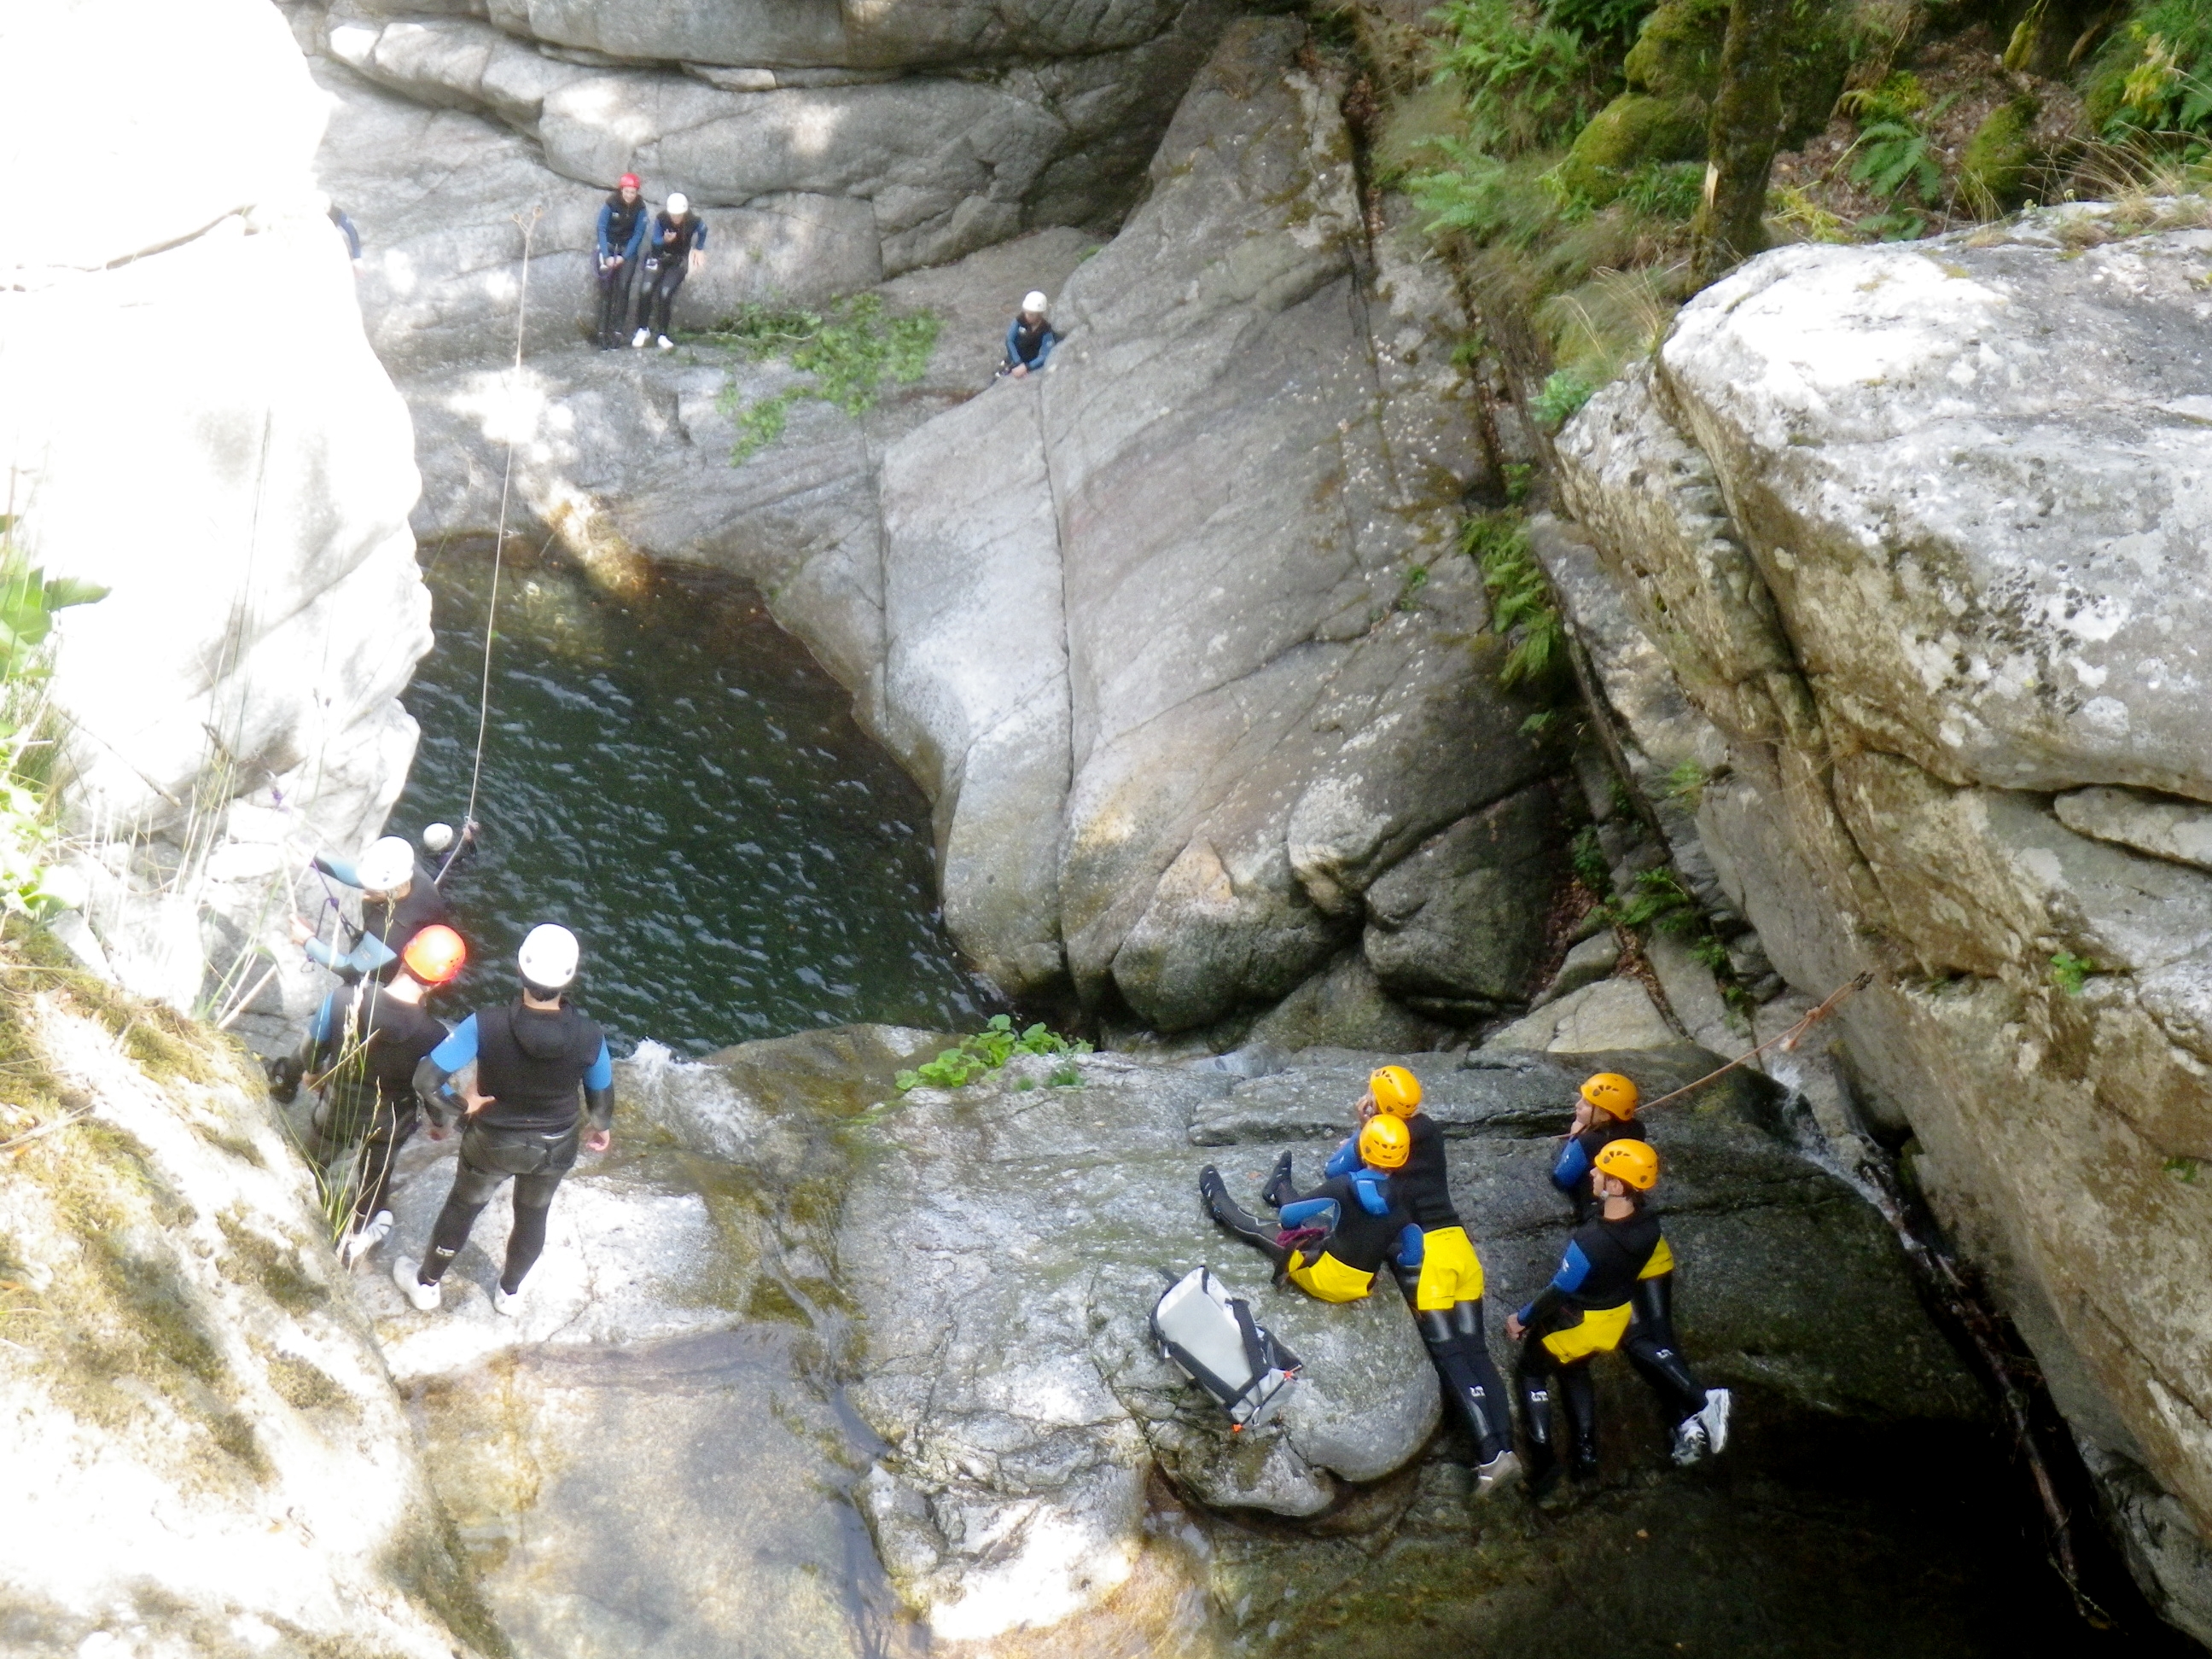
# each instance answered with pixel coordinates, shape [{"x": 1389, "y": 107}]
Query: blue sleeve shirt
[
  {"x": 1572, "y": 1170},
  {"x": 1574, "y": 1267}
]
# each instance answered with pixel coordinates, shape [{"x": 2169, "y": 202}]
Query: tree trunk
[{"x": 1747, "y": 123}]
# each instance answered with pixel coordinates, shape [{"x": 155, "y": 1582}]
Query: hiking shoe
[
  {"x": 365, "y": 1238},
  {"x": 1714, "y": 1419},
  {"x": 407, "y": 1274},
  {"x": 1280, "y": 1188},
  {"x": 1500, "y": 1471},
  {"x": 505, "y": 1301},
  {"x": 1690, "y": 1445},
  {"x": 667, "y": 345},
  {"x": 637, "y": 340}
]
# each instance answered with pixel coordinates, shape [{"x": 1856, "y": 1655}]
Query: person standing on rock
[
  {"x": 1587, "y": 1310},
  {"x": 1335, "y": 1238},
  {"x": 1439, "y": 1273},
  {"x": 1605, "y": 1113},
  {"x": 361, "y": 1053},
  {"x": 398, "y": 899},
  {"x": 534, "y": 1057},
  {"x": 621, "y": 239},
  {"x": 1030, "y": 339},
  {"x": 679, "y": 248}
]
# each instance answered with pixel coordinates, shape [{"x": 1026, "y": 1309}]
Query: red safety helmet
[
  {"x": 629, "y": 181},
  {"x": 435, "y": 954}
]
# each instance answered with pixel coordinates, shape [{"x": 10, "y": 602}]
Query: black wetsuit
[
  {"x": 1570, "y": 1173},
  {"x": 370, "y": 1042},
  {"x": 535, "y": 1064},
  {"x": 667, "y": 264},
  {"x": 1586, "y": 1308}
]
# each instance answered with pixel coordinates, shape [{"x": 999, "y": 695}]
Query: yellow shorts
[
  {"x": 1600, "y": 1332},
  {"x": 1327, "y": 1278},
  {"x": 1662, "y": 1261},
  {"x": 1451, "y": 1270}
]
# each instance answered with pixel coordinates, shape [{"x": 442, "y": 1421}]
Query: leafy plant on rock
[
  {"x": 1522, "y": 608},
  {"x": 984, "y": 1051},
  {"x": 851, "y": 350},
  {"x": 2153, "y": 77}
]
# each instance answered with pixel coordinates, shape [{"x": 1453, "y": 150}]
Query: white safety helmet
[
  {"x": 437, "y": 837},
  {"x": 387, "y": 865},
  {"x": 547, "y": 957},
  {"x": 679, "y": 204},
  {"x": 1035, "y": 302}
]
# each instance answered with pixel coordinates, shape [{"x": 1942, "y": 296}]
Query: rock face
[
  {"x": 833, "y": 147},
  {"x": 195, "y": 420},
  {"x": 1918, "y": 560},
  {"x": 1173, "y": 633},
  {"x": 207, "y": 1455}
]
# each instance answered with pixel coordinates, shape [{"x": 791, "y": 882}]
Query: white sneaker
[
  {"x": 406, "y": 1274},
  {"x": 1715, "y": 1417},
  {"x": 506, "y": 1302},
  {"x": 1499, "y": 1471},
  {"x": 1689, "y": 1442},
  {"x": 371, "y": 1234},
  {"x": 637, "y": 340},
  {"x": 667, "y": 345}
]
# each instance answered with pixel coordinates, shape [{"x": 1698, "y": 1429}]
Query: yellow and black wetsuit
[
  {"x": 1586, "y": 1310},
  {"x": 1367, "y": 1225}
]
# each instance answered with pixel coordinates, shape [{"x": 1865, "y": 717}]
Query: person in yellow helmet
[
  {"x": 1360, "y": 1220},
  {"x": 1605, "y": 1113},
  {"x": 1438, "y": 1272},
  {"x": 1588, "y": 1309}
]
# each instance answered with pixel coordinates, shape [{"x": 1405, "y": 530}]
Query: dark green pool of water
[{"x": 670, "y": 775}]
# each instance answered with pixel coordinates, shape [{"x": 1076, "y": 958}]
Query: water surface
[{"x": 674, "y": 777}]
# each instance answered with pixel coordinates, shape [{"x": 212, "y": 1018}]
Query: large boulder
[
  {"x": 195, "y": 422},
  {"x": 1917, "y": 531}
]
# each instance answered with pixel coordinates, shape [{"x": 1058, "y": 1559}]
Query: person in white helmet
[
  {"x": 399, "y": 897},
  {"x": 1030, "y": 339},
  {"x": 522, "y": 1122},
  {"x": 677, "y": 248}
]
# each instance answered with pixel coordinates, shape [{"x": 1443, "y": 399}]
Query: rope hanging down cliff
[{"x": 499, "y": 534}]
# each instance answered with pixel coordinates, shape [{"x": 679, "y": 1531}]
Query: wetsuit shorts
[
  {"x": 1451, "y": 1272},
  {"x": 1326, "y": 1278},
  {"x": 1599, "y": 1332}
]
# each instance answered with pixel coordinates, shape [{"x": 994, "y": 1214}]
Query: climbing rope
[
  {"x": 1788, "y": 1039},
  {"x": 499, "y": 535}
]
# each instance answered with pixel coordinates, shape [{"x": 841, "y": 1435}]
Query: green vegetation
[
  {"x": 2182, "y": 1170},
  {"x": 2153, "y": 77},
  {"x": 1521, "y": 607},
  {"x": 851, "y": 350},
  {"x": 2070, "y": 972},
  {"x": 989, "y": 1050},
  {"x": 1896, "y": 157},
  {"x": 1560, "y": 399},
  {"x": 1586, "y": 855},
  {"x": 29, "y": 600}
]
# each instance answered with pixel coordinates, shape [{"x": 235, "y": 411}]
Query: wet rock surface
[{"x": 1899, "y": 679}]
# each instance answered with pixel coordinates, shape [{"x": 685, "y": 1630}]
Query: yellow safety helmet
[
  {"x": 1385, "y": 1143},
  {"x": 1396, "y": 1090},
  {"x": 1631, "y": 1161},
  {"x": 1611, "y": 1094}
]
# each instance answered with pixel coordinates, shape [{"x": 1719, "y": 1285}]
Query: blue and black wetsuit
[
  {"x": 621, "y": 240},
  {"x": 1572, "y": 1173},
  {"x": 386, "y": 925},
  {"x": 1367, "y": 1226},
  {"x": 534, "y": 1063},
  {"x": 1590, "y": 1308},
  {"x": 367, "y": 1045},
  {"x": 1028, "y": 343},
  {"x": 1451, "y": 1317}
]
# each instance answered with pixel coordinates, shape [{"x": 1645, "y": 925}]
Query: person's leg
[
  {"x": 665, "y": 292},
  {"x": 525, "y": 1242},
  {"x": 380, "y": 1152},
  {"x": 1235, "y": 1218},
  {"x": 1579, "y": 1394},
  {"x": 1535, "y": 1373},
  {"x": 472, "y": 1190},
  {"x": 614, "y": 296}
]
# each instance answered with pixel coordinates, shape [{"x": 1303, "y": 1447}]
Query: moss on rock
[
  {"x": 1999, "y": 160},
  {"x": 1634, "y": 129}
]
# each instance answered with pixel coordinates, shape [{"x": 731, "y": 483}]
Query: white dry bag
[{"x": 1210, "y": 1336}]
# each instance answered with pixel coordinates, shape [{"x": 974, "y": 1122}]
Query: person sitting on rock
[
  {"x": 1030, "y": 339},
  {"x": 1605, "y": 1113},
  {"x": 361, "y": 1053},
  {"x": 1334, "y": 1239},
  {"x": 679, "y": 248},
  {"x": 532, "y": 1057},
  {"x": 398, "y": 899},
  {"x": 621, "y": 239},
  {"x": 1441, "y": 1275},
  {"x": 1588, "y": 1309}
]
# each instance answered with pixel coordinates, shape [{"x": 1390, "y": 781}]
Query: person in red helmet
[
  {"x": 362, "y": 1049},
  {"x": 622, "y": 221}
]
